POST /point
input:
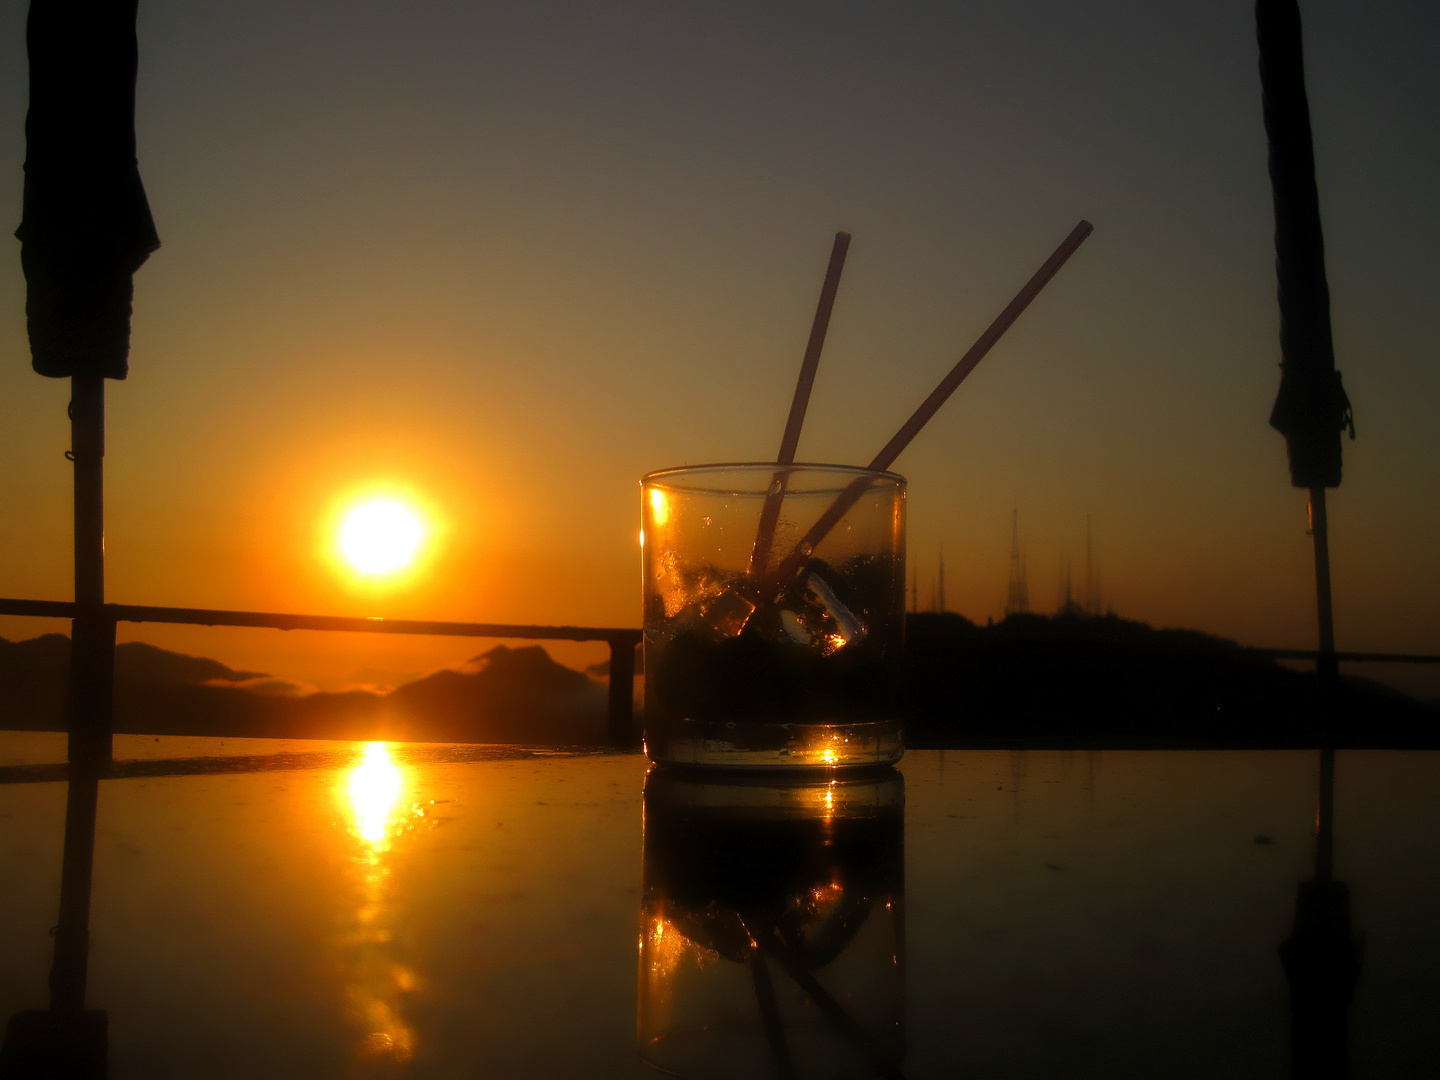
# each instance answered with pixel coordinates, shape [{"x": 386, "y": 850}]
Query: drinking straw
[
  {"x": 770, "y": 513},
  {"x": 931, "y": 405}
]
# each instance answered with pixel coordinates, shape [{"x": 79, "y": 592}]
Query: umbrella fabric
[
  {"x": 86, "y": 225},
  {"x": 1312, "y": 408}
]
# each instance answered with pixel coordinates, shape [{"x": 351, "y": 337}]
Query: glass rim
[{"x": 769, "y": 468}]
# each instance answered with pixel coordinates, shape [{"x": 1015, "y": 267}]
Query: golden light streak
[
  {"x": 659, "y": 508},
  {"x": 663, "y": 948},
  {"x": 376, "y": 980},
  {"x": 374, "y": 791}
]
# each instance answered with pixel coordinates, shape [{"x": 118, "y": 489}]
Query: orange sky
[{"x": 512, "y": 259}]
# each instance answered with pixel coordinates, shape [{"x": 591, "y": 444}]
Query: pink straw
[
  {"x": 966, "y": 364},
  {"x": 770, "y": 513}
]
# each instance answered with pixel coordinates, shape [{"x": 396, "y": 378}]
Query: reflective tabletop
[{"x": 302, "y": 909}]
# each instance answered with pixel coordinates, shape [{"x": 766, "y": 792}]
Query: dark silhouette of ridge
[
  {"x": 1067, "y": 680},
  {"x": 519, "y": 695},
  {"x": 1072, "y": 680},
  {"x": 502, "y": 695},
  {"x": 139, "y": 662}
]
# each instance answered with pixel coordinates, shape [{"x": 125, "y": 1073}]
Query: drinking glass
[{"x": 774, "y": 611}]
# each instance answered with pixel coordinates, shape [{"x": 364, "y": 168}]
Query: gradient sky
[{"x": 510, "y": 257}]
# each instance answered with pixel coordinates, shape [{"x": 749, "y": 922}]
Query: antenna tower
[{"x": 1091, "y": 601}]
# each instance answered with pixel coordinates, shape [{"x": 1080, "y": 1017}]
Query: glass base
[{"x": 734, "y": 744}]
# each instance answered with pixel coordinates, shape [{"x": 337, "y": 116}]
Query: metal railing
[{"x": 622, "y": 641}]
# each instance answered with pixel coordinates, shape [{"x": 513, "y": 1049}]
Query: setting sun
[{"x": 380, "y": 537}]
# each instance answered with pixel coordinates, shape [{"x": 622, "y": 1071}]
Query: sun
[{"x": 380, "y": 536}]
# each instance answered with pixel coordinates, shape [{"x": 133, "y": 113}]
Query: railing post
[
  {"x": 90, "y": 701},
  {"x": 622, "y": 691}
]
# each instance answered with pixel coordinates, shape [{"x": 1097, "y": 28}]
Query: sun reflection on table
[
  {"x": 376, "y": 980},
  {"x": 375, "y": 786}
]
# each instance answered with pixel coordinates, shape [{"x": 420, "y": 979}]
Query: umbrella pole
[
  {"x": 1327, "y": 667},
  {"x": 1321, "y": 957},
  {"x": 1327, "y": 671},
  {"x": 92, "y": 634},
  {"x": 69, "y": 1040}
]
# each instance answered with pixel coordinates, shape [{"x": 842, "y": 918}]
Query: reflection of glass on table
[
  {"x": 772, "y": 926},
  {"x": 774, "y": 615}
]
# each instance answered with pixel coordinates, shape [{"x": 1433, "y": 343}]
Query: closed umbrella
[
  {"x": 86, "y": 228},
  {"x": 1321, "y": 959},
  {"x": 1312, "y": 408}
]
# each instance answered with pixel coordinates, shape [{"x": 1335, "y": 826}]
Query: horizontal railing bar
[
  {"x": 64, "y": 609},
  {"x": 278, "y": 621},
  {"x": 61, "y": 609},
  {"x": 43, "y": 609}
]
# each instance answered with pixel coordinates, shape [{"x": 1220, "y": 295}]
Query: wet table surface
[{"x": 374, "y": 910}]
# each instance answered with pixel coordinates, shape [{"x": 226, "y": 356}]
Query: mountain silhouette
[
  {"x": 1029, "y": 680},
  {"x": 1075, "y": 679},
  {"x": 502, "y": 695}
]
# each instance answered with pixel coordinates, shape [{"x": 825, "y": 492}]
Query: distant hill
[
  {"x": 1030, "y": 680},
  {"x": 503, "y": 695},
  {"x": 1076, "y": 679}
]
